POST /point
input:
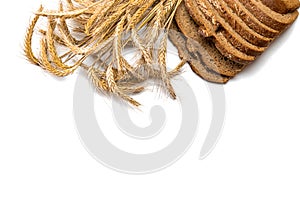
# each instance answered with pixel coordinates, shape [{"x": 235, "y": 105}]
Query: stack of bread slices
[{"x": 218, "y": 38}]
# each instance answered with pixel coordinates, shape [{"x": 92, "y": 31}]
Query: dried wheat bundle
[{"x": 93, "y": 34}]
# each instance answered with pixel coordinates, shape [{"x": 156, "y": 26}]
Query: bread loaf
[
  {"x": 223, "y": 36},
  {"x": 197, "y": 44}
]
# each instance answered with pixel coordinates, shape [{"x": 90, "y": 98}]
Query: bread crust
[
  {"x": 269, "y": 17},
  {"x": 282, "y": 6}
]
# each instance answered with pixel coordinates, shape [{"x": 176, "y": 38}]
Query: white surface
[{"x": 41, "y": 156}]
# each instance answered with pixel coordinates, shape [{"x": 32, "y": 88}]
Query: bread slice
[
  {"x": 244, "y": 14},
  {"x": 269, "y": 17},
  {"x": 231, "y": 34},
  {"x": 238, "y": 24},
  {"x": 282, "y": 6},
  {"x": 197, "y": 44},
  {"x": 221, "y": 37},
  {"x": 222, "y": 44},
  {"x": 196, "y": 65}
]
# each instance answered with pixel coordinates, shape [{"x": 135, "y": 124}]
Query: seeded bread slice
[
  {"x": 196, "y": 65},
  {"x": 239, "y": 25},
  {"x": 282, "y": 6},
  {"x": 197, "y": 44},
  {"x": 244, "y": 14},
  {"x": 231, "y": 34},
  {"x": 221, "y": 42},
  {"x": 269, "y": 17}
]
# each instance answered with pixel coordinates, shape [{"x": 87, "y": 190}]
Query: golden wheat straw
[{"x": 96, "y": 31}]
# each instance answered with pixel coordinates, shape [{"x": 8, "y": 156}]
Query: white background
[{"x": 41, "y": 156}]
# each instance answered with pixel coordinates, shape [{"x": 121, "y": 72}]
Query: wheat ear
[
  {"x": 114, "y": 88},
  {"x": 28, "y": 40},
  {"x": 163, "y": 67}
]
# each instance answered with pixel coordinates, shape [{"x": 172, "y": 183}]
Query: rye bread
[
  {"x": 282, "y": 6},
  {"x": 196, "y": 43},
  {"x": 239, "y": 25},
  {"x": 222, "y": 25},
  {"x": 196, "y": 65},
  {"x": 244, "y": 14},
  {"x": 221, "y": 42},
  {"x": 269, "y": 17}
]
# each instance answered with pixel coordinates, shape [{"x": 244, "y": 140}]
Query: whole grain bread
[
  {"x": 244, "y": 14},
  {"x": 198, "y": 44},
  {"x": 196, "y": 65},
  {"x": 269, "y": 17},
  {"x": 220, "y": 36},
  {"x": 282, "y": 6},
  {"x": 229, "y": 32},
  {"x": 239, "y": 25}
]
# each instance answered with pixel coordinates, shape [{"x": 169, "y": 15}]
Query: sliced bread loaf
[
  {"x": 197, "y": 44},
  {"x": 239, "y": 25},
  {"x": 220, "y": 36},
  {"x": 229, "y": 32},
  {"x": 244, "y": 14},
  {"x": 223, "y": 36},
  {"x": 269, "y": 17}
]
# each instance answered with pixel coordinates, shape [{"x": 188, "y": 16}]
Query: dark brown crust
[
  {"x": 179, "y": 41},
  {"x": 282, "y": 6},
  {"x": 245, "y": 15},
  {"x": 269, "y": 17},
  {"x": 203, "y": 46},
  {"x": 225, "y": 47}
]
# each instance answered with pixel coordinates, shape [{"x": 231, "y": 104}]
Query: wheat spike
[
  {"x": 117, "y": 48},
  {"x": 52, "y": 49},
  {"x": 66, "y": 14},
  {"x": 96, "y": 32},
  {"x": 45, "y": 64},
  {"x": 99, "y": 13},
  {"x": 163, "y": 67},
  {"x": 28, "y": 40},
  {"x": 114, "y": 88}
]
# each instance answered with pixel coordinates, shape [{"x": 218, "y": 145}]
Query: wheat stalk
[{"x": 98, "y": 31}]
